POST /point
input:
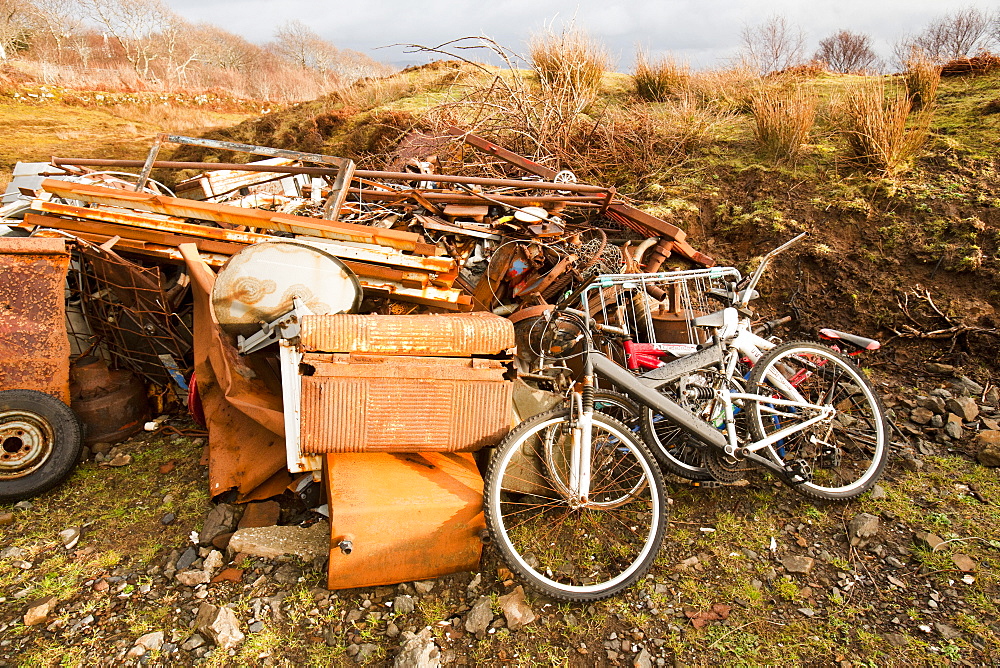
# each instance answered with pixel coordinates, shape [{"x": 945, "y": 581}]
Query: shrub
[
  {"x": 783, "y": 117},
  {"x": 660, "y": 79},
  {"x": 921, "y": 78},
  {"x": 569, "y": 64},
  {"x": 732, "y": 89},
  {"x": 873, "y": 121}
]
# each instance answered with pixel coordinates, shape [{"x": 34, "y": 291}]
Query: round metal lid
[{"x": 259, "y": 283}]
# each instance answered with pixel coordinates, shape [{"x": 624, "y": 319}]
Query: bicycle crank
[{"x": 724, "y": 468}]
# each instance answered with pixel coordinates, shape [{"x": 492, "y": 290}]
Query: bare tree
[
  {"x": 133, "y": 24},
  {"x": 58, "y": 26},
  {"x": 15, "y": 23},
  {"x": 957, "y": 35},
  {"x": 847, "y": 52},
  {"x": 773, "y": 45}
]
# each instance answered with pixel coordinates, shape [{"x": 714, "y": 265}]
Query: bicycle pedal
[{"x": 798, "y": 472}]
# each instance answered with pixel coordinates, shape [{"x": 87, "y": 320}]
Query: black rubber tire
[
  {"x": 619, "y": 406},
  {"x": 40, "y": 443},
  {"x": 561, "y": 527},
  {"x": 857, "y": 437}
]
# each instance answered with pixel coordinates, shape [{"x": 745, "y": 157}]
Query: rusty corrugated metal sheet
[
  {"x": 33, "y": 317},
  {"x": 370, "y": 403},
  {"x": 408, "y": 517},
  {"x": 430, "y": 335}
]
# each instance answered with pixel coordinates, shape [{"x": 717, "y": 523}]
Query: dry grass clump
[
  {"x": 873, "y": 121},
  {"x": 569, "y": 64},
  {"x": 731, "y": 89},
  {"x": 660, "y": 79},
  {"x": 783, "y": 118},
  {"x": 921, "y": 78}
]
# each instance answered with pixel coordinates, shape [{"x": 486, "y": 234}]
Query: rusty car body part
[
  {"x": 33, "y": 316},
  {"x": 241, "y": 401},
  {"x": 111, "y": 403},
  {"x": 234, "y": 215},
  {"x": 453, "y": 335},
  {"x": 394, "y": 403},
  {"x": 419, "y": 517}
]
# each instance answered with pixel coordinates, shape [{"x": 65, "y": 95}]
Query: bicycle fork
[{"x": 580, "y": 456}]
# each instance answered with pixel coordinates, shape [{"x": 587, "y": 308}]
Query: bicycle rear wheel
[
  {"x": 566, "y": 550},
  {"x": 847, "y": 453}
]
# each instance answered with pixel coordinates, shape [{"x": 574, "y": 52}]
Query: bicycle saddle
[{"x": 859, "y": 342}]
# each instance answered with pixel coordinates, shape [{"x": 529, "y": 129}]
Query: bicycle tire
[
  {"x": 586, "y": 553},
  {"x": 620, "y": 407},
  {"x": 848, "y": 453}
]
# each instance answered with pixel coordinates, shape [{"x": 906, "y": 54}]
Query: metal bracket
[{"x": 283, "y": 327}]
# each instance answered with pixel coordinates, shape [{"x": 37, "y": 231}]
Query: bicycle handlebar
[{"x": 755, "y": 277}]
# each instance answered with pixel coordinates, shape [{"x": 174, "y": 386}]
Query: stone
[
  {"x": 101, "y": 448},
  {"x": 953, "y": 427},
  {"x": 947, "y": 632},
  {"x": 798, "y": 564},
  {"x": 896, "y": 639},
  {"x": 194, "y": 642},
  {"x": 643, "y": 660},
  {"x": 151, "y": 642},
  {"x": 221, "y": 519},
  {"x": 419, "y": 651},
  {"x": 221, "y": 542},
  {"x": 403, "y": 605},
  {"x": 933, "y": 404},
  {"x": 276, "y": 541},
  {"x": 966, "y": 385},
  {"x": 939, "y": 369},
  {"x": 861, "y": 529},
  {"x": 366, "y": 652},
  {"x": 213, "y": 561},
  {"x": 931, "y": 541},
  {"x": 260, "y": 514},
  {"x": 480, "y": 617},
  {"x": 424, "y": 586},
  {"x": 921, "y": 415},
  {"x": 808, "y": 612},
  {"x": 963, "y": 407},
  {"x": 992, "y": 397},
  {"x": 964, "y": 562},
  {"x": 38, "y": 610},
  {"x": 220, "y": 624},
  {"x": 70, "y": 537},
  {"x": 186, "y": 559},
  {"x": 516, "y": 609},
  {"x": 120, "y": 460},
  {"x": 167, "y": 519},
  {"x": 192, "y": 577},
  {"x": 6, "y": 519},
  {"x": 988, "y": 444},
  {"x": 878, "y": 492},
  {"x": 911, "y": 463},
  {"x": 392, "y": 630}
]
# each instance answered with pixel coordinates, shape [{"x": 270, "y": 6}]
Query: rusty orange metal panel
[
  {"x": 451, "y": 335},
  {"x": 33, "y": 316},
  {"x": 358, "y": 403},
  {"x": 406, "y": 517}
]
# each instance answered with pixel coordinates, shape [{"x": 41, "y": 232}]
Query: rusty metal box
[
  {"x": 387, "y": 403},
  {"x": 449, "y": 335},
  {"x": 407, "y": 517}
]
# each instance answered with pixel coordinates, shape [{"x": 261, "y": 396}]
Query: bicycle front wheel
[
  {"x": 565, "y": 549},
  {"x": 846, "y": 453}
]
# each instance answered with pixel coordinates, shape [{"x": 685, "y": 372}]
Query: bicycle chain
[{"x": 722, "y": 467}]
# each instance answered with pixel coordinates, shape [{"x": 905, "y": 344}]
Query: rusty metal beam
[
  {"x": 221, "y": 213},
  {"x": 507, "y": 156}
]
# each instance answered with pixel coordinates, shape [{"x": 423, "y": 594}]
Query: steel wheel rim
[{"x": 26, "y": 442}]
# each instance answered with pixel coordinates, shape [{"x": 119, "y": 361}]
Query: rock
[
  {"x": 419, "y": 651},
  {"x": 933, "y": 404},
  {"x": 896, "y": 639},
  {"x": 38, "y": 610},
  {"x": 643, "y": 660},
  {"x": 229, "y": 575},
  {"x": 221, "y": 519},
  {"x": 6, "y": 519},
  {"x": 929, "y": 540},
  {"x": 366, "y": 652},
  {"x": 516, "y": 609},
  {"x": 392, "y": 630},
  {"x": 151, "y": 642},
  {"x": 186, "y": 559},
  {"x": 167, "y": 519},
  {"x": 213, "y": 561},
  {"x": 192, "y": 577},
  {"x": 221, "y": 542},
  {"x": 101, "y": 448},
  {"x": 219, "y": 624},
  {"x": 70, "y": 537},
  {"x": 964, "y": 562},
  {"x": 862, "y": 528},
  {"x": 953, "y": 427},
  {"x": 911, "y": 463},
  {"x": 120, "y": 460},
  {"x": 424, "y": 586},
  {"x": 275, "y": 541},
  {"x": 474, "y": 585},
  {"x": 966, "y": 385},
  {"x": 921, "y": 415},
  {"x": 798, "y": 564},
  {"x": 480, "y": 616},
  {"x": 947, "y": 632},
  {"x": 808, "y": 612},
  {"x": 260, "y": 514},
  {"x": 939, "y": 369},
  {"x": 878, "y": 492},
  {"x": 194, "y": 642},
  {"x": 403, "y": 605},
  {"x": 963, "y": 407},
  {"x": 988, "y": 443},
  {"x": 992, "y": 397}
]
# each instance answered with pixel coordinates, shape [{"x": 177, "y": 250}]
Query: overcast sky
[{"x": 702, "y": 32}]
